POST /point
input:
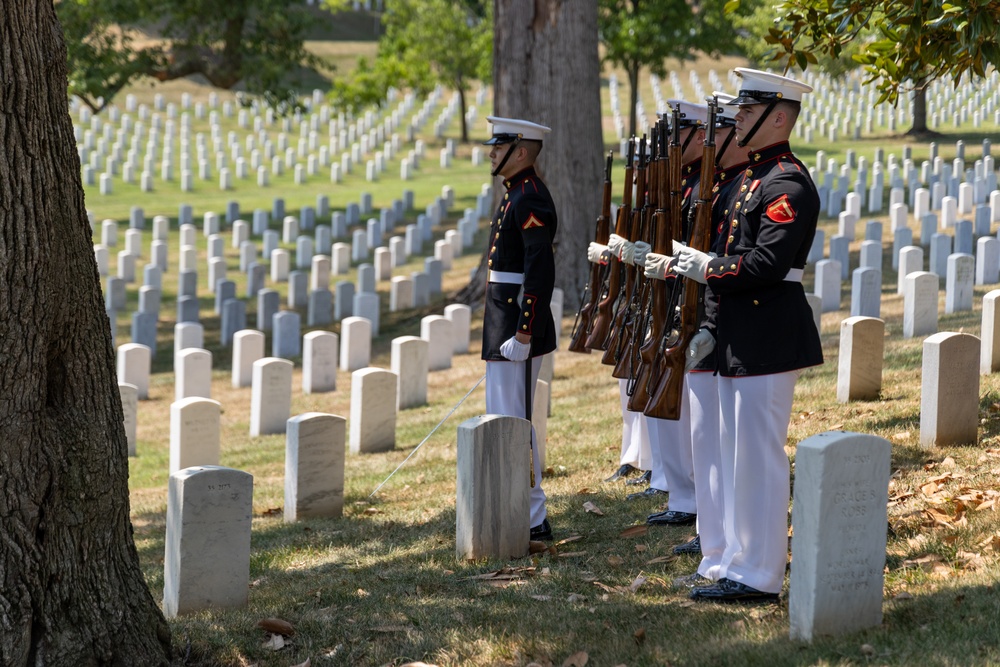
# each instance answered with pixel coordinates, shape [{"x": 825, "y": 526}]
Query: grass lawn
[{"x": 381, "y": 585}]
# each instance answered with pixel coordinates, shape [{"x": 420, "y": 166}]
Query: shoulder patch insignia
[
  {"x": 781, "y": 211},
  {"x": 532, "y": 222}
]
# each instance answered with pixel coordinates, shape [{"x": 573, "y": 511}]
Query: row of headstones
[
  {"x": 210, "y": 508},
  {"x": 316, "y": 156},
  {"x": 952, "y": 363},
  {"x": 406, "y": 291}
]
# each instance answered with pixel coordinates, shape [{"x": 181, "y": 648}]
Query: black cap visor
[{"x": 500, "y": 139}]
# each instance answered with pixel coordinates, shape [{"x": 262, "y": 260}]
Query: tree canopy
[
  {"x": 909, "y": 44},
  {"x": 256, "y": 44},
  {"x": 426, "y": 42}
]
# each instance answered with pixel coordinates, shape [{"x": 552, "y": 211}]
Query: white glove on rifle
[
  {"x": 701, "y": 345},
  {"x": 597, "y": 253},
  {"x": 615, "y": 245},
  {"x": 691, "y": 263},
  {"x": 641, "y": 250},
  {"x": 515, "y": 350},
  {"x": 628, "y": 253},
  {"x": 656, "y": 265}
]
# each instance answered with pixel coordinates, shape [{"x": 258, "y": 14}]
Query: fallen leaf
[
  {"x": 615, "y": 561},
  {"x": 272, "y": 511},
  {"x": 686, "y": 603},
  {"x": 901, "y": 437},
  {"x": 867, "y": 649},
  {"x": 640, "y": 547},
  {"x": 535, "y": 547},
  {"x": 276, "y": 626},
  {"x": 903, "y": 596},
  {"x": 987, "y": 504},
  {"x": 634, "y": 531},
  {"x": 573, "y": 554},
  {"x": 578, "y": 659},
  {"x": 993, "y": 542},
  {"x": 576, "y": 597},
  {"x": 541, "y": 598},
  {"x": 837, "y": 427},
  {"x": 661, "y": 559},
  {"x": 639, "y": 636},
  {"x": 275, "y": 643},
  {"x": 948, "y": 462},
  {"x": 592, "y": 508},
  {"x": 571, "y": 538},
  {"x": 639, "y": 581},
  {"x": 925, "y": 562},
  {"x": 969, "y": 560},
  {"x": 584, "y": 491},
  {"x": 372, "y": 510},
  {"x": 307, "y": 663}
]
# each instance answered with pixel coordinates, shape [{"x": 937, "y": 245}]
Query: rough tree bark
[
  {"x": 71, "y": 591},
  {"x": 546, "y": 69}
]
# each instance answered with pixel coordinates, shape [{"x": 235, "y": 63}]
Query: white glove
[
  {"x": 641, "y": 250},
  {"x": 691, "y": 263},
  {"x": 656, "y": 265},
  {"x": 615, "y": 245},
  {"x": 628, "y": 253},
  {"x": 597, "y": 253},
  {"x": 677, "y": 246},
  {"x": 515, "y": 350},
  {"x": 701, "y": 345}
]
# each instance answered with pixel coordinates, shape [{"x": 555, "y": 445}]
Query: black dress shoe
[
  {"x": 692, "y": 546},
  {"x": 622, "y": 472},
  {"x": 542, "y": 532},
  {"x": 671, "y": 518},
  {"x": 727, "y": 590},
  {"x": 648, "y": 493},
  {"x": 694, "y": 580},
  {"x": 644, "y": 479}
]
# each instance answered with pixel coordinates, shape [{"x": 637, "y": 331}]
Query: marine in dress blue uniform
[
  {"x": 517, "y": 324},
  {"x": 764, "y": 334}
]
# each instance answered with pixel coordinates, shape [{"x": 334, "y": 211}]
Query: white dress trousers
[
  {"x": 670, "y": 445},
  {"x": 505, "y": 396},
  {"x": 755, "y": 477},
  {"x": 706, "y": 457},
  {"x": 635, "y": 435}
]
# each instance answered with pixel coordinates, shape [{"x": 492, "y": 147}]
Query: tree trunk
[
  {"x": 71, "y": 590},
  {"x": 460, "y": 86},
  {"x": 633, "y": 96},
  {"x": 919, "y": 110},
  {"x": 546, "y": 69}
]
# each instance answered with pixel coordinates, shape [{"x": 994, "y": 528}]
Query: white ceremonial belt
[
  {"x": 512, "y": 278},
  {"x": 794, "y": 275}
]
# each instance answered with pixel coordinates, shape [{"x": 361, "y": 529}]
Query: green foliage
[
  {"x": 257, "y": 45},
  {"x": 645, "y": 33},
  {"x": 902, "y": 44},
  {"x": 426, "y": 42}
]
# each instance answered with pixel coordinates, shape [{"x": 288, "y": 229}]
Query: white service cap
[
  {"x": 760, "y": 87},
  {"x": 506, "y": 130},
  {"x": 691, "y": 114},
  {"x": 725, "y": 115}
]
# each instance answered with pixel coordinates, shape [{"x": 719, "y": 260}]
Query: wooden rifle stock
[
  {"x": 635, "y": 325},
  {"x": 665, "y": 402},
  {"x": 643, "y": 361},
  {"x": 585, "y": 315},
  {"x": 604, "y": 313},
  {"x": 614, "y": 345}
]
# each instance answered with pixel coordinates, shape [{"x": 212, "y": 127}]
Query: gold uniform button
[
  {"x": 722, "y": 176},
  {"x": 710, "y": 269},
  {"x": 529, "y": 300},
  {"x": 731, "y": 238},
  {"x": 756, "y": 302},
  {"x": 510, "y": 300},
  {"x": 743, "y": 188},
  {"x": 506, "y": 196},
  {"x": 738, "y": 204},
  {"x": 735, "y": 224},
  {"x": 489, "y": 263},
  {"x": 524, "y": 326},
  {"x": 732, "y": 266},
  {"x": 498, "y": 235},
  {"x": 493, "y": 249},
  {"x": 527, "y": 314},
  {"x": 749, "y": 173},
  {"x": 756, "y": 157}
]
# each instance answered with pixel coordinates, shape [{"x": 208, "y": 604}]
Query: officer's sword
[{"x": 427, "y": 437}]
